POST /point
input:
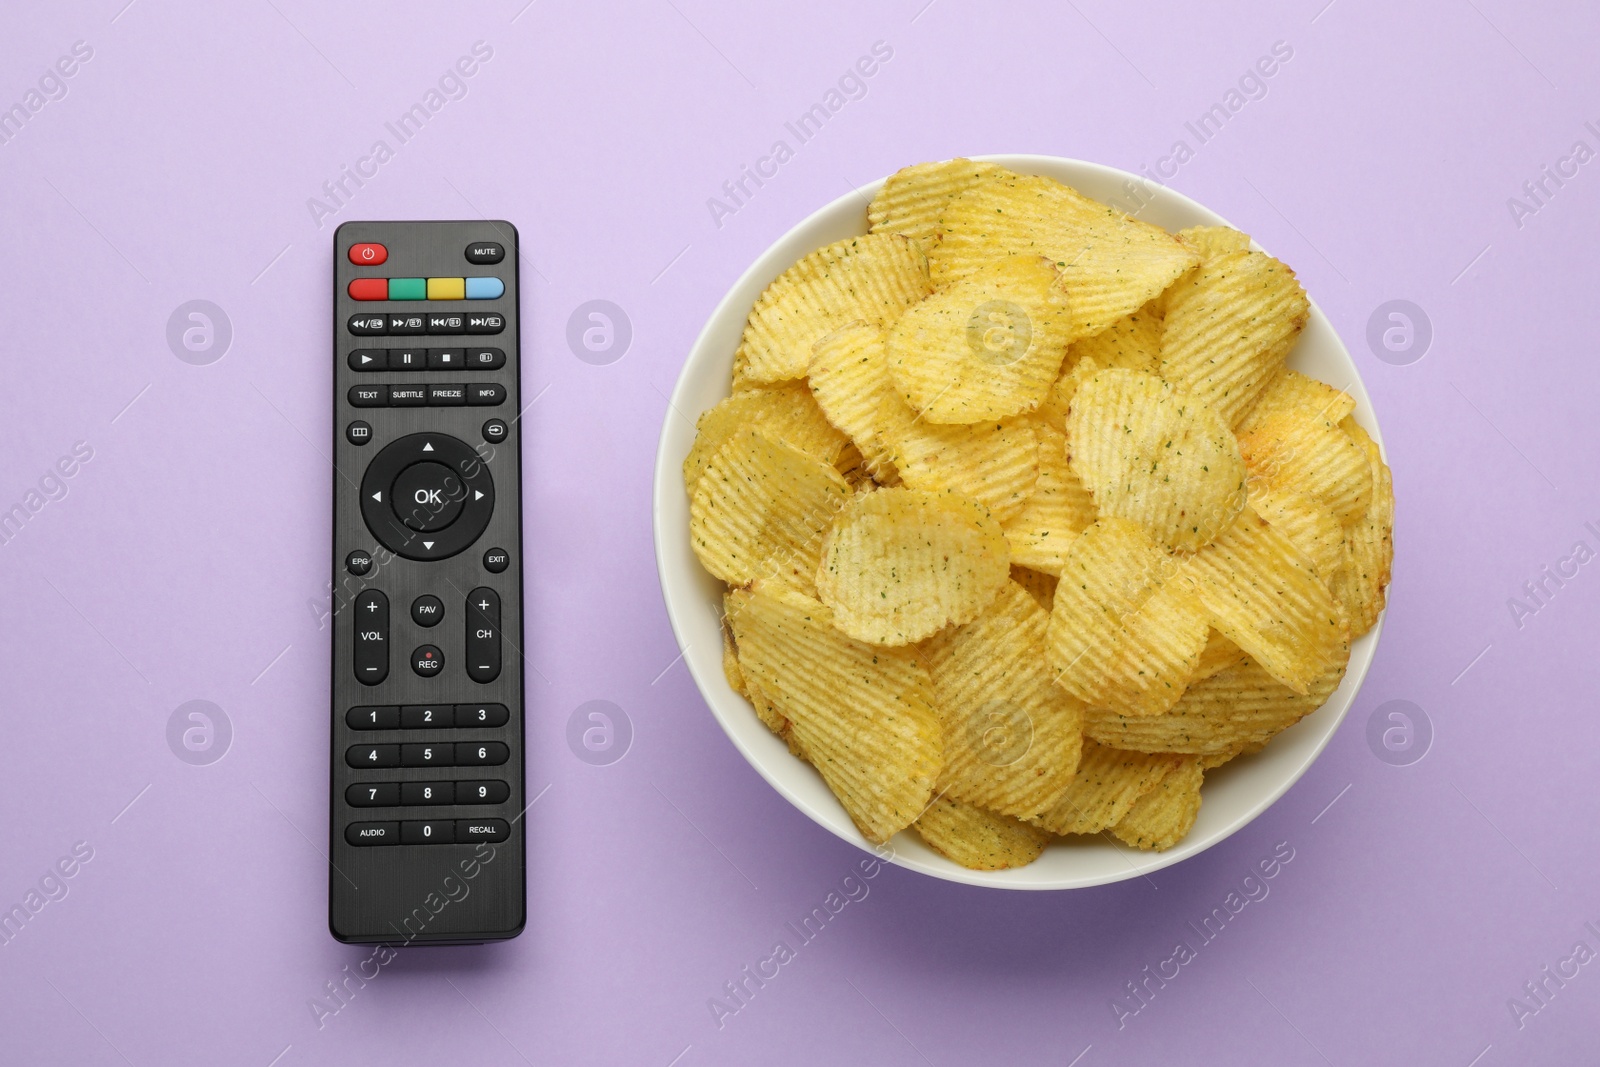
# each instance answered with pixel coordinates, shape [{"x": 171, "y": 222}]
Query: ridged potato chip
[
  {"x": 1237, "y": 708},
  {"x": 1053, "y": 412},
  {"x": 1218, "y": 655},
  {"x": 984, "y": 347},
  {"x": 862, "y": 715},
  {"x": 995, "y": 463},
  {"x": 1057, "y": 511},
  {"x": 899, "y": 564},
  {"x": 872, "y": 278},
  {"x": 1133, "y": 342},
  {"x": 1310, "y": 526},
  {"x": 914, "y": 197},
  {"x": 1209, "y": 242},
  {"x": 1040, "y": 585},
  {"x": 730, "y": 663},
  {"x": 1162, "y": 817},
  {"x": 1107, "y": 784},
  {"x": 849, "y": 377},
  {"x": 1367, "y": 548},
  {"x": 1112, "y": 264},
  {"x": 1292, "y": 439},
  {"x": 1157, "y": 455},
  {"x": 761, "y": 509},
  {"x": 1228, "y": 326},
  {"x": 1011, "y": 738},
  {"x": 1264, "y": 595},
  {"x": 1212, "y": 761},
  {"x": 1124, "y": 632},
  {"x": 785, "y": 412},
  {"x": 977, "y": 839}
]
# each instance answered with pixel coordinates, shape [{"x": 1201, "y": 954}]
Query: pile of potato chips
[{"x": 1025, "y": 523}]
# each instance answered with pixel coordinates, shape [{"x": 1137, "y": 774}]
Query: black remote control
[{"x": 426, "y": 839}]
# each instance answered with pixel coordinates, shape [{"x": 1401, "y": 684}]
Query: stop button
[{"x": 368, "y": 255}]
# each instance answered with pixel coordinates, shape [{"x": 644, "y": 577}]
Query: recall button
[{"x": 469, "y": 830}]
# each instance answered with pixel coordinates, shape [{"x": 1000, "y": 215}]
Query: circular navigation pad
[{"x": 427, "y": 496}]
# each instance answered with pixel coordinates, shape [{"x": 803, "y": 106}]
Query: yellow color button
[{"x": 447, "y": 288}]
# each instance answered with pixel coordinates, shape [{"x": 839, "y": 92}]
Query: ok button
[{"x": 428, "y": 496}]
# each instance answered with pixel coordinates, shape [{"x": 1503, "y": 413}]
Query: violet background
[{"x": 187, "y": 559}]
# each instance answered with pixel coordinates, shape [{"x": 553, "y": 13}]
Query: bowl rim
[{"x": 667, "y": 478}]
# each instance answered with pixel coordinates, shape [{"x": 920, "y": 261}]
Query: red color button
[
  {"x": 368, "y": 255},
  {"x": 369, "y": 289}
]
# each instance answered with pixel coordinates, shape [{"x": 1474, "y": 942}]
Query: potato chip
[
  {"x": 995, "y": 463},
  {"x": 761, "y": 509},
  {"x": 1112, "y": 264},
  {"x": 1057, "y": 511},
  {"x": 1291, "y": 439},
  {"x": 1133, "y": 342},
  {"x": 985, "y": 347},
  {"x": 1123, "y": 633},
  {"x": 784, "y": 412},
  {"x": 863, "y": 715},
  {"x": 1162, "y": 817},
  {"x": 1107, "y": 784},
  {"x": 1241, "y": 706},
  {"x": 1209, "y": 242},
  {"x": 872, "y": 278},
  {"x": 849, "y": 376},
  {"x": 899, "y": 564},
  {"x": 1309, "y": 526},
  {"x": 914, "y": 197},
  {"x": 1264, "y": 595},
  {"x": 1011, "y": 738},
  {"x": 1367, "y": 547},
  {"x": 1219, "y": 655},
  {"x": 977, "y": 839},
  {"x": 730, "y": 663},
  {"x": 1212, "y": 761},
  {"x": 1156, "y": 455},
  {"x": 1053, "y": 412},
  {"x": 1040, "y": 585},
  {"x": 1228, "y": 326}
]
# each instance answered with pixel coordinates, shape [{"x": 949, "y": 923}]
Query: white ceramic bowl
[{"x": 1233, "y": 796}]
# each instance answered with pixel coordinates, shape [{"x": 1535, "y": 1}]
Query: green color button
[{"x": 408, "y": 289}]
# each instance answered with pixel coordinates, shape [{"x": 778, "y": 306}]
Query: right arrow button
[{"x": 483, "y": 635}]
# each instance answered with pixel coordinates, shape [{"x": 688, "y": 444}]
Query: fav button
[
  {"x": 485, "y": 288},
  {"x": 368, "y": 254}
]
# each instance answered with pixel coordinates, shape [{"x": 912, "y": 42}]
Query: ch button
[
  {"x": 483, "y": 635},
  {"x": 371, "y": 637}
]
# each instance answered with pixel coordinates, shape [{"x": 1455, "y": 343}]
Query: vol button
[{"x": 371, "y": 637}]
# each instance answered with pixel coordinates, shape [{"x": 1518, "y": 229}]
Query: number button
[
  {"x": 425, "y": 755},
  {"x": 372, "y": 795},
  {"x": 373, "y": 756},
  {"x": 442, "y": 832},
  {"x": 481, "y": 753},
  {"x": 412, "y": 793},
  {"x": 482, "y": 792},
  {"x": 426, "y": 717},
  {"x": 486, "y": 715},
  {"x": 373, "y": 718}
]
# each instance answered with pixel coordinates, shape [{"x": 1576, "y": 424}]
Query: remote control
[{"x": 426, "y": 840}]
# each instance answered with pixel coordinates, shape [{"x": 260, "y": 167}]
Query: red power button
[{"x": 368, "y": 255}]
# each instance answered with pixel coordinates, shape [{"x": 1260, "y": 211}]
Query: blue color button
[{"x": 485, "y": 288}]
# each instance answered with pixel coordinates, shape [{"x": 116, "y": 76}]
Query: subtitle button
[{"x": 427, "y": 661}]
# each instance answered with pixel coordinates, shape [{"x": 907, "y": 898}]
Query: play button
[{"x": 428, "y": 496}]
